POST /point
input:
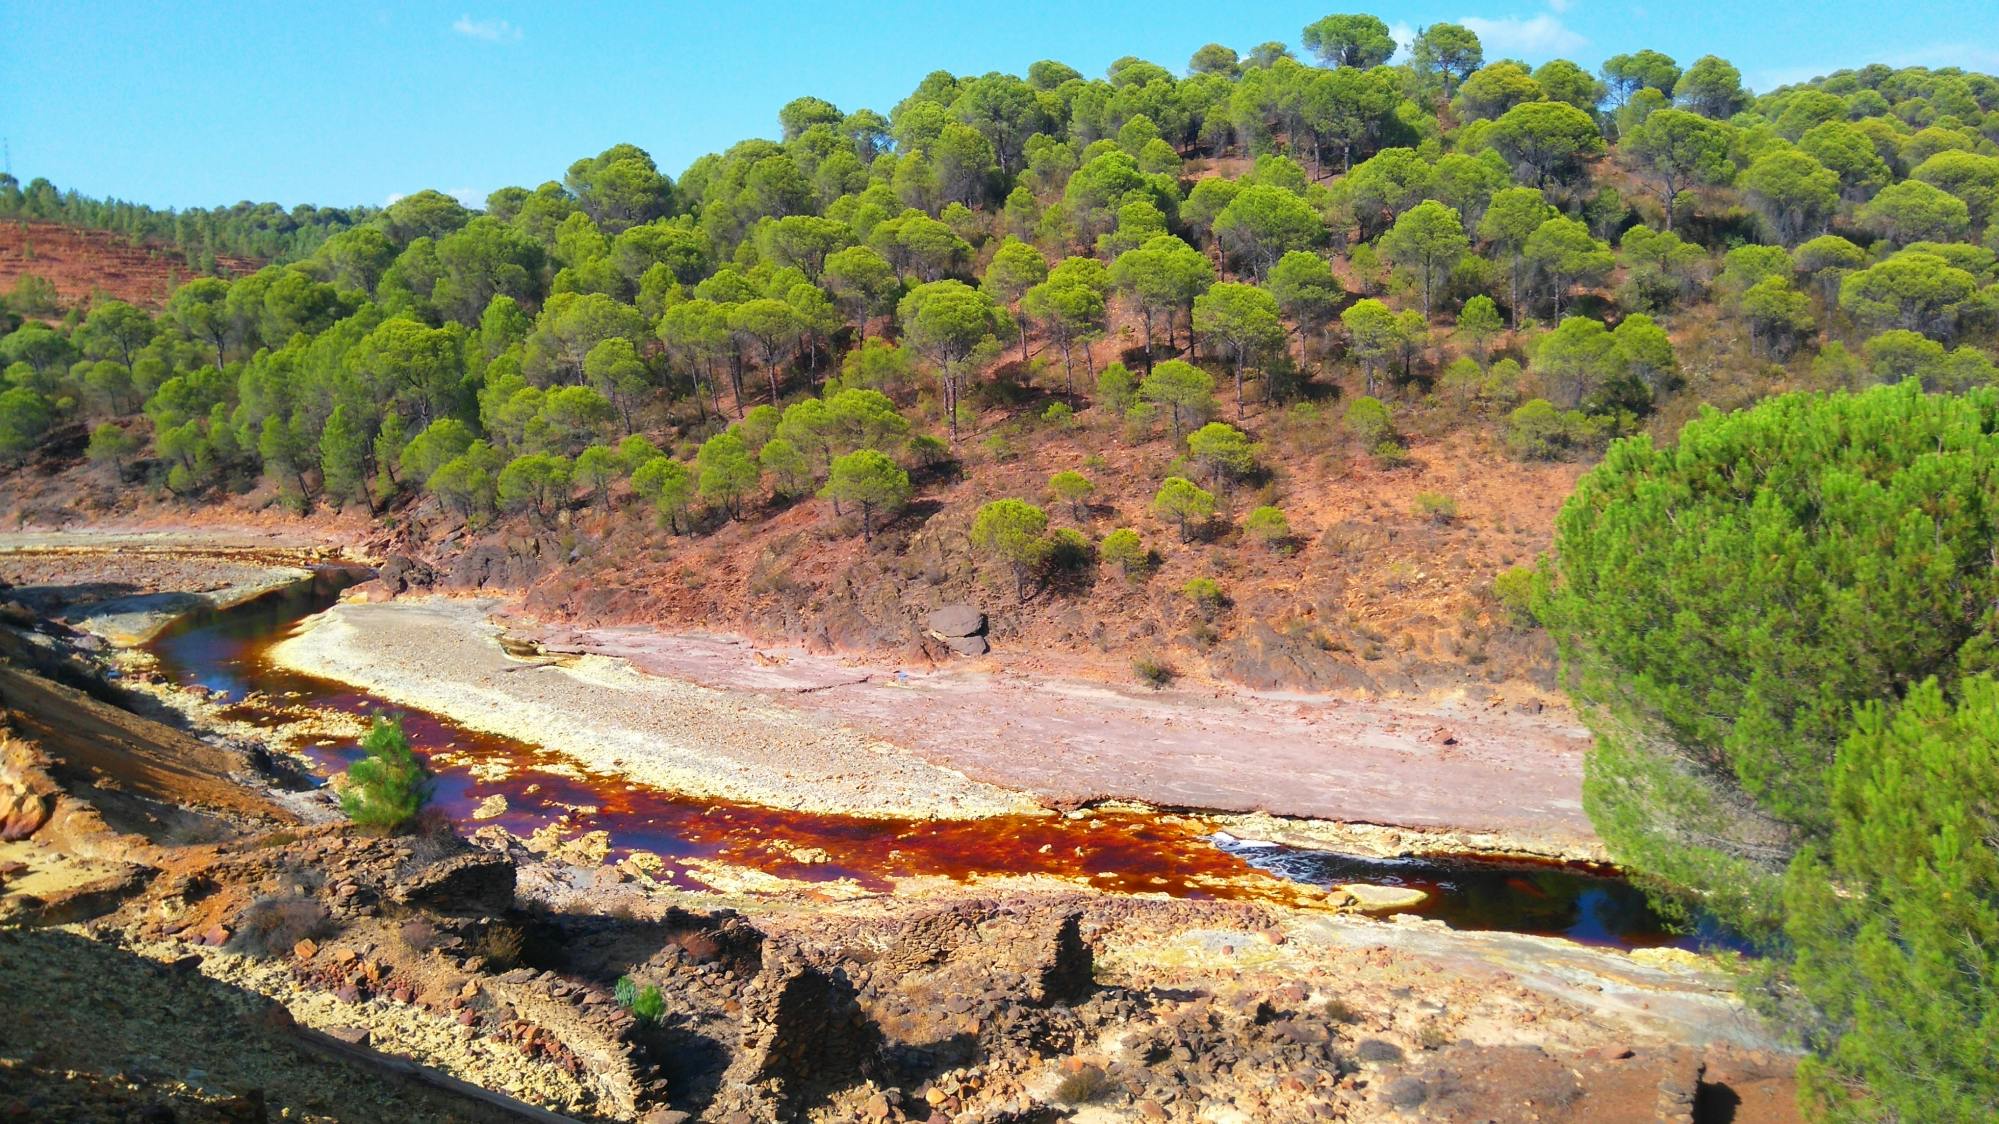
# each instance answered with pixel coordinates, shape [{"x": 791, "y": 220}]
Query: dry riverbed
[
  {"x": 443, "y": 656},
  {"x": 713, "y": 715}
]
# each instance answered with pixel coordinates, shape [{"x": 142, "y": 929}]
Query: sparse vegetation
[{"x": 1153, "y": 672}]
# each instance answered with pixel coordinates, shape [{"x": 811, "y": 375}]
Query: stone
[
  {"x": 305, "y": 949},
  {"x": 474, "y": 882},
  {"x": 22, "y": 813},
  {"x": 1405, "y": 1093},
  {"x": 351, "y": 1035},
  {"x": 967, "y": 645},
  {"x": 960, "y": 620},
  {"x": 1380, "y": 899},
  {"x": 491, "y": 807}
]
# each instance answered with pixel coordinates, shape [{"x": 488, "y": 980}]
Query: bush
[
  {"x": 271, "y": 926},
  {"x": 1089, "y": 1083},
  {"x": 1538, "y": 431},
  {"x": 1154, "y": 673},
  {"x": 1059, "y": 414},
  {"x": 1269, "y": 526},
  {"x": 1436, "y": 506},
  {"x": 1069, "y": 551},
  {"x": 500, "y": 945},
  {"x": 649, "y": 1005},
  {"x": 1514, "y": 590},
  {"x": 1207, "y": 596},
  {"x": 388, "y": 787},
  {"x": 1125, "y": 550},
  {"x": 1370, "y": 422}
]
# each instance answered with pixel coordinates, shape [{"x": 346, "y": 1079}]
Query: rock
[
  {"x": 1614, "y": 1053},
  {"x": 474, "y": 882},
  {"x": 305, "y": 949},
  {"x": 215, "y": 936},
  {"x": 22, "y": 813},
  {"x": 663, "y": 1115},
  {"x": 802, "y": 1033},
  {"x": 1264, "y": 659},
  {"x": 352, "y": 1035},
  {"x": 958, "y": 620},
  {"x": 401, "y": 573},
  {"x": 1405, "y": 1093},
  {"x": 1379, "y": 899},
  {"x": 491, "y": 807},
  {"x": 967, "y": 645}
]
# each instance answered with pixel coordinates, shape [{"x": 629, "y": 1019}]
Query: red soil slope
[{"x": 81, "y": 262}]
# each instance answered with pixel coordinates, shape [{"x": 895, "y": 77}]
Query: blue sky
[{"x": 201, "y": 104}]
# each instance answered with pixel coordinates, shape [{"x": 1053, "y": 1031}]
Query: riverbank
[
  {"x": 675, "y": 706},
  {"x": 443, "y": 656},
  {"x": 127, "y": 585}
]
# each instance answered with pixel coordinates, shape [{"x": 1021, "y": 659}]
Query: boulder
[
  {"x": 478, "y": 882},
  {"x": 803, "y": 1034},
  {"x": 1378, "y": 899},
  {"x": 958, "y": 620},
  {"x": 22, "y": 812},
  {"x": 967, "y": 645},
  {"x": 401, "y": 573}
]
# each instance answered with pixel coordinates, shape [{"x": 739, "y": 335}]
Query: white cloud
[
  {"x": 1540, "y": 36},
  {"x": 1561, "y": 5},
  {"x": 1404, "y": 34},
  {"x": 393, "y": 196},
  {"x": 491, "y": 31}
]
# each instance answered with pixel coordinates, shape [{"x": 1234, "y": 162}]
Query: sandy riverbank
[
  {"x": 710, "y": 716},
  {"x": 126, "y": 585},
  {"x": 1483, "y": 771},
  {"x": 443, "y": 656}
]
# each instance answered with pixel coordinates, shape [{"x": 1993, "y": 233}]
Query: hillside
[
  {"x": 86, "y": 265},
  {"x": 1269, "y": 372}
]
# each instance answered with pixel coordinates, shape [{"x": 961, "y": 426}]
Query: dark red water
[{"x": 226, "y": 652}]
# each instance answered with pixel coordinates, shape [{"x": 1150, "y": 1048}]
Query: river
[{"x": 225, "y": 651}]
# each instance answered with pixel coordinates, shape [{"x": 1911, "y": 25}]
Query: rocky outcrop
[
  {"x": 803, "y": 1035},
  {"x": 1039, "y": 955},
  {"x": 477, "y": 883},
  {"x": 959, "y": 627},
  {"x": 1261, "y": 658},
  {"x": 403, "y": 574}
]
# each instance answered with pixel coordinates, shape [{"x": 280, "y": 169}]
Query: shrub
[
  {"x": 417, "y": 934},
  {"x": 1339, "y": 1011},
  {"x": 1539, "y": 431},
  {"x": 1074, "y": 489},
  {"x": 1125, "y": 550},
  {"x": 1436, "y": 506},
  {"x": 271, "y": 926},
  {"x": 649, "y": 1004},
  {"x": 1391, "y": 453},
  {"x": 1514, "y": 590},
  {"x": 1206, "y": 594},
  {"x": 1153, "y": 672},
  {"x": 1010, "y": 531},
  {"x": 1185, "y": 503},
  {"x": 1369, "y": 421},
  {"x": 1089, "y": 1083},
  {"x": 1059, "y": 414},
  {"x": 626, "y": 992},
  {"x": 1069, "y": 551},
  {"x": 388, "y": 787},
  {"x": 501, "y": 946},
  {"x": 1268, "y": 526}
]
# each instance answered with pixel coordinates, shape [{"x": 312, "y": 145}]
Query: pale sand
[{"x": 442, "y": 655}]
